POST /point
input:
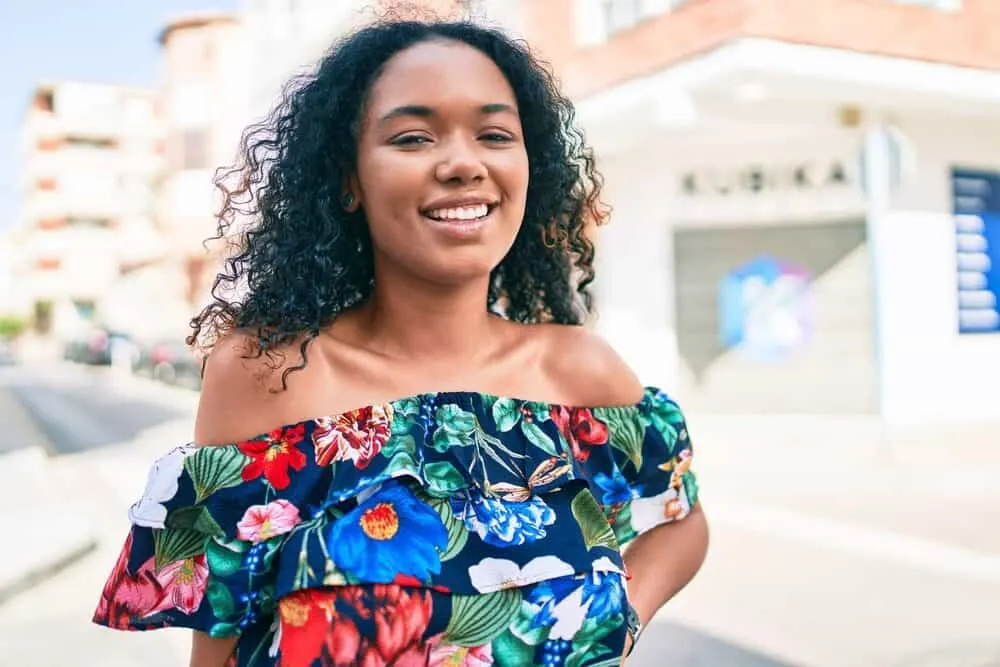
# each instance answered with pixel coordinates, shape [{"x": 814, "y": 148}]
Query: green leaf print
[
  {"x": 625, "y": 431},
  {"x": 539, "y": 438},
  {"x": 403, "y": 442},
  {"x": 523, "y": 625},
  {"x": 403, "y": 412},
  {"x": 403, "y": 419},
  {"x": 506, "y": 414},
  {"x": 456, "y": 428},
  {"x": 691, "y": 488},
  {"x": 509, "y": 650},
  {"x": 443, "y": 478},
  {"x": 477, "y": 619},
  {"x": 223, "y": 630},
  {"x": 594, "y": 630},
  {"x": 195, "y": 517},
  {"x": 401, "y": 462},
  {"x": 214, "y": 468},
  {"x": 585, "y": 654},
  {"x": 613, "y": 661},
  {"x": 458, "y": 534},
  {"x": 667, "y": 418},
  {"x": 225, "y": 556},
  {"x": 173, "y": 544},
  {"x": 454, "y": 419},
  {"x": 621, "y": 525},
  {"x": 593, "y": 523},
  {"x": 220, "y": 599}
]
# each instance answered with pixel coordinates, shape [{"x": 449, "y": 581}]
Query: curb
[{"x": 25, "y": 580}]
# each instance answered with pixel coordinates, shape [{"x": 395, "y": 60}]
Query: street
[{"x": 824, "y": 553}]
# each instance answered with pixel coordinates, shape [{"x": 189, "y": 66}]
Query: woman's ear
[{"x": 350, "y": 198}]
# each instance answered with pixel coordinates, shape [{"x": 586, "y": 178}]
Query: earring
[{"x": 347, "y": 200}]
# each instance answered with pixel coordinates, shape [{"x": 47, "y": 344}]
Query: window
[
  {"x": 194, "y": 149},
  {"x": 946, "y": 5},
  {"x": 620, "y": 15},
  {"x": 599, "y": 19},
  {"x": 88, "y": 223}
]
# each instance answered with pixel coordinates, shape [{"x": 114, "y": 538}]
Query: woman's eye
[
  {"x": 497, "y": 137},
  {"x": 410, "y": 140}
]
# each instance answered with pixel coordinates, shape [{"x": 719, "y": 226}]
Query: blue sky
[{"x": 111, "y": 41}]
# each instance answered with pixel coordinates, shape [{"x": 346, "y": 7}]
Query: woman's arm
[
  {"x": 663, "y": 560},
  {"x": 211, "y": 652}
]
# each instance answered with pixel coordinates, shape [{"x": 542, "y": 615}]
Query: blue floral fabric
[{"x": 459, "y": 493}]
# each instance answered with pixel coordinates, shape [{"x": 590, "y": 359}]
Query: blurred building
[
  {"x": 807, "y": 193},
  {"x": 204, "y": 88},
  {"x": 288, "y": 38},
  {"x": 12, "y": 301},
  {"x": 90, "y": 154}
]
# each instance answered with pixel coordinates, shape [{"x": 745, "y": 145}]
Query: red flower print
[
  {"x": 184, "y": 583},
  {"x": 580, "y": 428},
  {"x": 127, "y": 597},
  {"x": 358, "y": 436},
  {"x": 273, "y": 455},
  {"x": 305, "y": 618}
]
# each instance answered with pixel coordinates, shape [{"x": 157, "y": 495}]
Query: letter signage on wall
[{"x": 976, "y": 208}]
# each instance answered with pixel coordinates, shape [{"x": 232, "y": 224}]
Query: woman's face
[{"x": 442, "y": 171}]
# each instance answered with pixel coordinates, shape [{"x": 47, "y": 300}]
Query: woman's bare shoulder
[
  {"x": 587, "y": 369},
  {"x": 243, "y": 393}
]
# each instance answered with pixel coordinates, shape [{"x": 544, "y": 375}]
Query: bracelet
[{"x": 634, "y": 627}]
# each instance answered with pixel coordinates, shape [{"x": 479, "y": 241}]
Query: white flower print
[{"x": 161, "y": 486}]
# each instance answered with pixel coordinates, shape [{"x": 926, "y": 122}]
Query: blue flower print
[
  {"x": 389, "y": 534},
  {"x": 615, "y": 489},
  {"x": 503, "y": 523},
  {"x": 605, "y": 591},
  {"x": 547, "y": 595}
]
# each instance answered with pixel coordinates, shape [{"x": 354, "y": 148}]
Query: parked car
[
  {"x": 171, "y": 362},
  {"x": 100, "y": 346},
  {"x": 8, "y": 355}
]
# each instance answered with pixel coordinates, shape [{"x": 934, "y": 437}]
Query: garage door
[{"x": 776, "y": 319}]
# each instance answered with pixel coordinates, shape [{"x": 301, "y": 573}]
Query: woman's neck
[{"x": 429, "y": 322}]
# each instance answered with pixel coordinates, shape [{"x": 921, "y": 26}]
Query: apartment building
[
  {"x": 90, "y": 156},
  {"x": 804, "y": 192},
  {"x": 204, "y": 87}
]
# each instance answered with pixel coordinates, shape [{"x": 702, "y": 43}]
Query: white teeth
[{"x": 461, "y": 213}]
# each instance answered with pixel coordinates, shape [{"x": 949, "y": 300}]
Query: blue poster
[
  {"x": 976, "y": 209},
  {"x": 765, "y": 309}
]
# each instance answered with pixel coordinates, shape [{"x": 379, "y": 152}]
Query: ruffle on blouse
[{"x": 462, "y": 492}]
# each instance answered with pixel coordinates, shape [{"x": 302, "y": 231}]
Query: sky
[{"x": 104, "y": 41}]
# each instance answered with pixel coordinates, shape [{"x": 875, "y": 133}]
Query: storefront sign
[
  {"x": 976, "y": 208},
  {"x": 760, "y": 179}
]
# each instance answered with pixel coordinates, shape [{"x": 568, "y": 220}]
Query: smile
[
  {"x": 460, "y": 213},
  {"x": 461, "y": 222}
]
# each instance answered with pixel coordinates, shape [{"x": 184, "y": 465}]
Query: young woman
[{"x": 409, "y": 451}]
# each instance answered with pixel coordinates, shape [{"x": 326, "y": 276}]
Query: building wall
[
  {"x": 91, "y": 155},
  {"x": 572, "y": 33},
  {"x": 903, "y": 279},
  {"x": 930, "y": 371},
  {"x": 205, "y": 88}
]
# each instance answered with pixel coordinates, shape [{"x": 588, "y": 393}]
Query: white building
[
  {"x": 744, "y": 267},
  {"x": 90, "y": 156}
]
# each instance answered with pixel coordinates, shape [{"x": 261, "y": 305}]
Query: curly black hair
[{"x": 299, "y": 259}]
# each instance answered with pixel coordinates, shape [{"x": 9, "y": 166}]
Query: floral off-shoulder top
[{"x": 484, "y": 499}]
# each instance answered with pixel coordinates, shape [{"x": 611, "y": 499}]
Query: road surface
[{"x": 821, "y": 556}]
